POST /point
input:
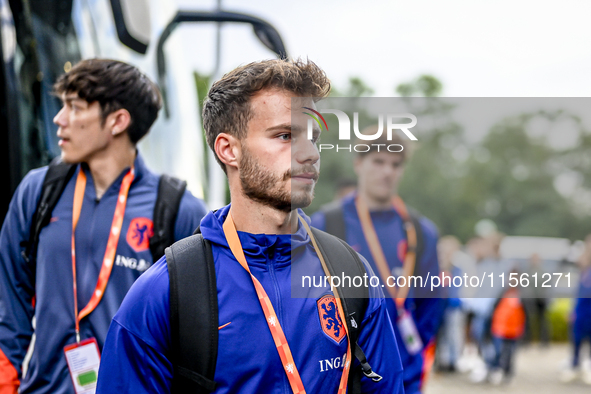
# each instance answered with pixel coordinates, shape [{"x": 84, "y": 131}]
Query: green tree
[
  {"x": 423, "y": 86},
  {"x": 511, "y": 176},
  {"x": 431, "y": 183},
  {"x": 515, "y": 183},
  {"x": 356, "y": 87}
]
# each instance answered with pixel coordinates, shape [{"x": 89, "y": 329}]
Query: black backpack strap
[
  {"x": 55, "y": 181},
  {"x": 334, "y": 219},
  {"x": 193, "y": 315},
  {"x": 170, "y": 193},
  {"x": 341, "y": 260}
]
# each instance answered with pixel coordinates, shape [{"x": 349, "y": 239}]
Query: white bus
[{"x": 40, "y": 39}]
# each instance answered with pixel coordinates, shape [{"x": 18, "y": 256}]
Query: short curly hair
[
  {"x": 115, "y": 85},
  {"x": 227, "y": 106}
]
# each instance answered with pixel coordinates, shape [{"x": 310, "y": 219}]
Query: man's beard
[{"x": 263, "y": 186}]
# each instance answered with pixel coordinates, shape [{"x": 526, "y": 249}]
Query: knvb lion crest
[
  {"x": 139, "y": 233},
  {"x": 331, "y": 322}
]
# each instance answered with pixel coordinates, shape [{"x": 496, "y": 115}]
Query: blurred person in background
[
  {"x": 507, "y": 327},
  {"x": 581, "y": 320},
  {"x": 477, "y": 249},
  {"x": 536, "y": 304},
  {"x": 397, "y": 241},
  {"x": 451, "y": 336},
  {"x": 482, "y": 304}
]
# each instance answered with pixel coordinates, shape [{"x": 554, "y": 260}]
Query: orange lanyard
[
  {"x": 376, "y": 248},
  {"x": 108, "y": 259},
  {"x": 347, "y": 366},
  {"x": 283, "y": 349}
]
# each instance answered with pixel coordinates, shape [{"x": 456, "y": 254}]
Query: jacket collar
[{"x": 257, "y": 247}]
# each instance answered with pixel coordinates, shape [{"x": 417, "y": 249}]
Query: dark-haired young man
[
  {"x": 269, "y": 341},
  {"x": 96, "y": 243}
]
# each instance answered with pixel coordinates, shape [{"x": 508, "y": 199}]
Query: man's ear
[
  {"x": 228, "y": 150},
  {"x": 118, "y": 121}
]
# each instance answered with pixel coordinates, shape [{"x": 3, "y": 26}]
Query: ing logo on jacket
[
  {"x": 330, "y": 320},
  {"x": 139, "y": 232}
]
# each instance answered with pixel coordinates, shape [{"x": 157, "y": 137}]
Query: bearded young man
[{"x": 255, "y": 126}]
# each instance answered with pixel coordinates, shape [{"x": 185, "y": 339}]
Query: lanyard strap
[
  {"x": 376, "y": 248},
  {"x": 283, "y": 349},
  {"x": 295, "y": 381},
  {"x": 108, "y": 259},
  {"x": 344, "y": 377}
]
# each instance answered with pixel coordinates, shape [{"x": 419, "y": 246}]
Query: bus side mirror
[
  {"x": 270, "y": 38},
  {"x": 264, "y": 31}
]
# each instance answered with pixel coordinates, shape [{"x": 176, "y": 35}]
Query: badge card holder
[
  {"x": 83, "y": 357},
  {"x": 83, "y": 363},
  {"x": 408, "y": 331}
]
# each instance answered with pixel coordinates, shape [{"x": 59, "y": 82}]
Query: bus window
[{"x": 57, "y": 51}]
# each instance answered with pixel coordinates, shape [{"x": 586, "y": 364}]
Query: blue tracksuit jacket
[
  {"x": 136, "y": 354},
  {"x": 582, "y": 310},
  {"x": 52, "y": 289},
  {"x": 427, "y": 312}
]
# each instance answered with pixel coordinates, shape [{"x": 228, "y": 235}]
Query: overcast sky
[{"x": 476, "y": 48}]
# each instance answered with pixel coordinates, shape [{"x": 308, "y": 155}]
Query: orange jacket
[
  {"x": 8, "y": 377},
  {"x": 508, "y": 320}
]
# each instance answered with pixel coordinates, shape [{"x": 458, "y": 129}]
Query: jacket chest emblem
[
  {"x": 138, "y": 234},
  {"x": 330, "y": 320}
]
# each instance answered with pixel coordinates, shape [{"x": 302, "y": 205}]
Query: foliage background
[{"x": 509, "y": 176}]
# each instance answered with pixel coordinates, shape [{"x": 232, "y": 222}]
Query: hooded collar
[{"x": 258, "y": 248}]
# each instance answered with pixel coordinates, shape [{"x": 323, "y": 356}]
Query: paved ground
[{"x": 537, "y": 371}]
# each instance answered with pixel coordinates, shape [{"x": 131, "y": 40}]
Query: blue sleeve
[
  {"x": 191, "y": 211},
  {"x": 378, "y": 342},
  {"x": 428, "y": 311},
  {"x": 134, "y": 358},
  {"x": 318, "y": 220},
  {"x": 17, "y": 286}
]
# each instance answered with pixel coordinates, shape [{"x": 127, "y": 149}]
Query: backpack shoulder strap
[
  {"x": 55, "y": 181},
  {"x": 335, "y": 219},
  {"x": 193, "y": 315},
  {"x": 415, "y": 217},
  {"x": 343, "y": 261},
  {"x": 170, "y": 193}
]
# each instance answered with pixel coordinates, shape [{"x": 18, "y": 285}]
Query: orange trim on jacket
[
  {"x": 9, "y": 382},
  {"x": 428, "y": 360}
]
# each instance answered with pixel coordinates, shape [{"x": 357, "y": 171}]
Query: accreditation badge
[
  {"x": 409, "y": 333},
  {"x": 83, "y": 362}
]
